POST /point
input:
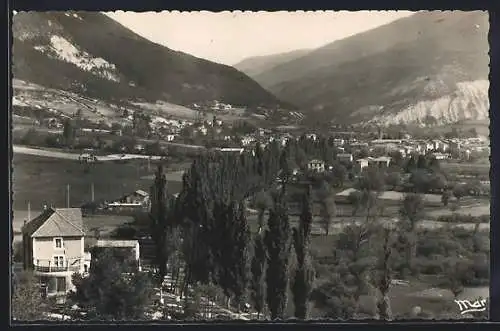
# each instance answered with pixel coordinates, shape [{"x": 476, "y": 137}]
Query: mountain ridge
[
  {"x": 92, "y": 54},
  {"x": 374, "y": 75},
  {"x": 255, "y": 65}
]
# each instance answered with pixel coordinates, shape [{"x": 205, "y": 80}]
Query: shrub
[
  {"x": 481, "y": 268},
  {"x": 439, "y": 243},
  {"x": 125, "y": 232},
  {"x": 432, "y": 266},
  {"x": 17, "y": 251}
]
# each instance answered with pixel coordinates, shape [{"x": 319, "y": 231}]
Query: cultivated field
[
  {"x": 33, "y": 95},
  {"x": 174, "y": 176},
  {"x": 43, "y": 180},
  {"x": 461, "y": 166},
  {"x": 478, "y": 208},
  {"x": 168, "y": 110}
]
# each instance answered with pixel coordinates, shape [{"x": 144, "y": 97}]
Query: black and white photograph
[{"x": 250, "y": 166}]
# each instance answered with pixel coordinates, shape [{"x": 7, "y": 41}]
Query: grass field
[
  {"x": 422, "y": 292},
  {"x": 482, "y": 167},
  {"x": 166, "y": 109},
  {"x": 478, "y": 210},
  {"x": 42, "y": 180}
]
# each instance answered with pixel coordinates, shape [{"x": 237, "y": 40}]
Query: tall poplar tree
[
  {"x": 162, "y": 207},
  {"x": 241, "y": 238},
  {"x": 258, "y": 280},
  {"x": 304, "y": 273},
  {"x": 278, "y": 243}
]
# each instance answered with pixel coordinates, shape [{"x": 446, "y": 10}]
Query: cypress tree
[
  {"x": 160, "y": 212},
  {"x": 240, "y": 237},
  {"x": 304, "y": 273},
  {"x": 278, "y": 245},
  {"x": 226, "y": 215},
  {"x": 384, "y": 275},
  {"x": 258, "y": 281}
]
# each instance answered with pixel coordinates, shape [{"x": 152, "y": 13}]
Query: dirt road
[
  {"x": 74, "y": 156},
  {"x": 41, "y": 152}
]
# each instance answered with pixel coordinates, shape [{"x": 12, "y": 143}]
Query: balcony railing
[
  {"x": 45, "y": 265},
  {"x": 56, "y": 269}
]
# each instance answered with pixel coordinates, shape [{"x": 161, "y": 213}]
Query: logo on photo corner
[{"x": 467, "y": 306}]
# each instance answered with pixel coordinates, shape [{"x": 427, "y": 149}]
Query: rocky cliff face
[
  {"x": 468, "y": 102},
  {"x": 433, "y": 64}
]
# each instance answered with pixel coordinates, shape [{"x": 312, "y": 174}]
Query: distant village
[
  {"x": 237, "y": 136},
  {"x": 53, "y": 242}
]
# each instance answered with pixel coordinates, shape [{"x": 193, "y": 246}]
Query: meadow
[
  {"x": 454, "y": 167},
  {"x": 42, "y": 180}
]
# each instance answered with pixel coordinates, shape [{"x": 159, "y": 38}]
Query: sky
[{"x": 229, "y": 37}]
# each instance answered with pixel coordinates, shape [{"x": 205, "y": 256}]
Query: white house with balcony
[{"x": 53, "y": 247}]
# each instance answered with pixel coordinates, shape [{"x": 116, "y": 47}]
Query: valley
[{"x": 347, "y": 181}]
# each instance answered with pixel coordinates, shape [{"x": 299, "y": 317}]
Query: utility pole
[
  {"x": 67, "y": 196},
  {"x": 29, "y": 211},
  {"x": 92, "y": 191}
]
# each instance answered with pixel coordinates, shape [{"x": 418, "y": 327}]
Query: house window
[
  {"x": 59, "y": 261},
  {"x": 58, "y": 242}
]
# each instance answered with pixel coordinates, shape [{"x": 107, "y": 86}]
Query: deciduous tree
[
  {"x": 69, "y": 132},
  {"x": 26, "y": 302},
  {"x": 412, "y": 212},
  {"x": 328, "y": 207},
  {"x": 445, "y": 197},
  {"x": 383, "y": 273},
  {"x": 114, "y": 289}
]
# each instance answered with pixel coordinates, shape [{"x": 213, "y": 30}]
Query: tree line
[{"x": 204, "y": 234}]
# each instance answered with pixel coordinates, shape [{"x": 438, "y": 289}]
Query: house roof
[
  {"x": 375, "y": 159},
  {"x": 316, "y": 161},
  {"x": 117, "y": 243},
  {"x": 56, "y": 222},
  {"x": 381, "y": 159},
  {"x": 346, "y": 192},
  {"x": 143, "y": 193}
]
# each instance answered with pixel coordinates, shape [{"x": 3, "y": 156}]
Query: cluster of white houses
[
  {"x": 382, "y": 161},
  {"x": 441, "y": 148}
]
